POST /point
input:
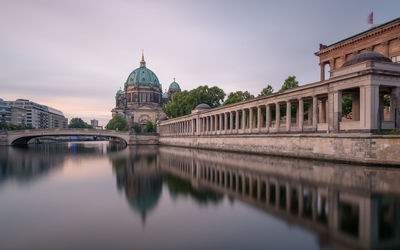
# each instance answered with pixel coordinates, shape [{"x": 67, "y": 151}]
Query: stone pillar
[
  {"x": 215, "y": 124},
  {"x": 231, "y": 122},
  {"x": 369, "y": 104},
  {"x": 259, "y": 118},
  {"x": 250, "y": 122},
  {"x": 221, "y": 123},
  {"x": 288, "y": 115},
  {"x": 320, "y": 111},
  {"x": 314, "y": 115},
  {"x": 301, "y": 114},
  {"x": 278, "y": 116},
  {"x": 322, "y": 65},
  {"x": 243, "y": 120},
  {"x": 395, "y": 105},
  {"x": 268, "y": 118},
  {"x": 337, "y": 110},
  {"x": 237, "y": 121},
  {"x": 225, "y": 122}
]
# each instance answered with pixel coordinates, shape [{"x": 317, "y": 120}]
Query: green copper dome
[
  {"x": 165, "y": 95},
  {"x": 174, "y": 85},
  {"x": 143, "y": 77}
]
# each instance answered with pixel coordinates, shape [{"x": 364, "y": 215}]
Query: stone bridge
[{"x": 23, "y": 136}]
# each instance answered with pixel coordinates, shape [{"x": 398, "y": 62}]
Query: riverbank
[{"x": 352, "y": 148}]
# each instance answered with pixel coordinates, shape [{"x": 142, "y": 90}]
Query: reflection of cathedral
[
  {"x": 142, "y": 97},
  {"x": 141, "y": 179}
]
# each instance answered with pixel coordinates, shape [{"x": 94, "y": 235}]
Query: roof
[
  {"x": 366, "y": 56},
  {"x": 174, "y": 85},
  {"x": 364, "y": 32}
]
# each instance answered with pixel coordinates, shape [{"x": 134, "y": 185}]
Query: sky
[{"x": 74, "y": 55}]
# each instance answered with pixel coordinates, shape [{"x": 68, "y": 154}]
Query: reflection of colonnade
[
  {"x": 343, "y": 213},
  {"x": 315, "y": 107}
]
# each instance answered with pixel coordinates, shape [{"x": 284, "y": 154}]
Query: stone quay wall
[{"x": 355, "y": 148}]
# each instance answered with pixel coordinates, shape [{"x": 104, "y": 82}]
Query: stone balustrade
[{"x": 311, "y": 108}]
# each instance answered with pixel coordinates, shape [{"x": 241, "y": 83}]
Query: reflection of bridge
[
  {"x": 349, "y": 208},
  {"x": 23, "y": 136}
]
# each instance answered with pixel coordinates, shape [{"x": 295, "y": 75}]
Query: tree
[
  {"x": 266, "y": 91},
  {"x": 137, "y": 128},
  {"x": 289, "y": 83},
  {"x": 185, "y": 101},
  {"x": 78, "y": 123},
  {"x": 149, "y": 127},
  {"x": 346, "y": 105},
  {"x": 117, "y": 122},
  {"x": 238, "y": 96}
]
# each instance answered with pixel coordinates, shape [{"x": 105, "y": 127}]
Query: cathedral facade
[{"x": 142, "y": 98}]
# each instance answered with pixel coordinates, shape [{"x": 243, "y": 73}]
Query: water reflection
[
  {"x": 26, "y": 164},
  {"x": 139, "y": 175},
  {"x": 347, "y": 206}
]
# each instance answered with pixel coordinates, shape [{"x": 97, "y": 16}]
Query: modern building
[
  {"x": 5, "y": 111},
  {"x": 94, "y": 123},
  {"x": 36, "y": 115},
  {"x": 18, "y": 115},
  {"x": 142, "y": 97},
  {"x": 383, "y": 39}
]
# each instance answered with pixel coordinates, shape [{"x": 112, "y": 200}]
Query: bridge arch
[{"x": 22, "y": 137}]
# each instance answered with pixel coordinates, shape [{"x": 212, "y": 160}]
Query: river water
[{"x": 96, "y": 196}]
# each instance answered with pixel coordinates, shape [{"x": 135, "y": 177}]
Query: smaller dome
[
  {"x": 202, "y": 106},
  {"x": 165, "y": 95},
  {"x": 175, "y": 86},
  {"x": 366, "y": 56},
  {"x": 163, "y": 118},
  {"x": 120, "y": 92}
]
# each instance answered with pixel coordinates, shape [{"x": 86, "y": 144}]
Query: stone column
[
  {"x": 337, "y": 110},
  {"x": 268, "y": 118},
  {"x": 250, "y": 123},
  {"x": 221, "y": 123},
  {"x": 237, "y": 121},
  {"x": 322, "y": 65},
  {"x": 288, "y": 115},
  {"x": 277, "y": 116},
  {"x": 314, "y": 115},
  {"x": 301, "y": 114},
  {"x": 259, "y": 119},
  {"x": 243, "y": 120},
  {"x": 395, "y": 105},
  {"x": 225, "y": 123},
  {"x": 215, "y": 124},
  {"x": 231, "y": 122},
  {"x": 369, "y": 104}
]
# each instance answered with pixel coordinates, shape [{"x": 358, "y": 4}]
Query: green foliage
[
  {"x": 117, "y": 122},
  {"x": 78, "y": 123},
  {"x": 346, "y": 105},
  {"x": 289, "y": 83},
  {"x": 266, "y": 91},
  {"x": 150, "y": 127},
  {"x": 137, "y": 128},
  {"x": 12, "y": 126},
  {"x": 238, "y": 96},
  {"x": 185, "y": 101},
  {"x": 386, "y": 101}
]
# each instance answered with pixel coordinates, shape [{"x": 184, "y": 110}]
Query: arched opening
[{"x": 24, "y": 140}]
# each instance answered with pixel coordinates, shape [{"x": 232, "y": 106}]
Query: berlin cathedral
[{"x": 142, "y": 97}]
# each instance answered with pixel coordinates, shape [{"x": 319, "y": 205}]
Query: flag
[{"x": 371, "y": 18}]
